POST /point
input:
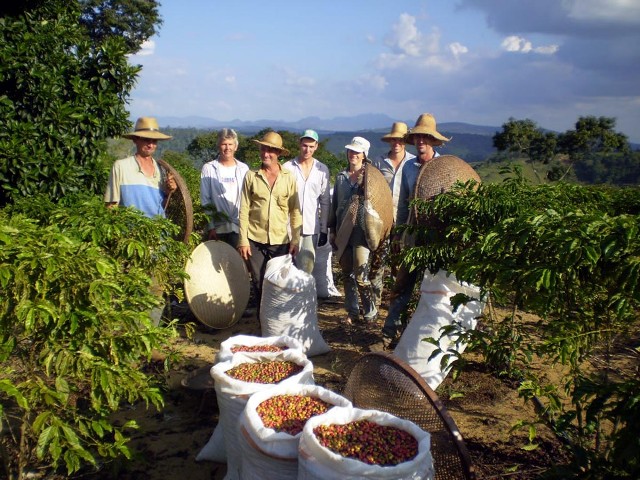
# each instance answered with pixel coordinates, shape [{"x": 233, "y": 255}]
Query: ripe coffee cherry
[
  {"x": 257, "y": 348},
  {"x": 264, "y": 372},
  {"x": 289, "y": 413},
  {"x": 368, "y": 442}
]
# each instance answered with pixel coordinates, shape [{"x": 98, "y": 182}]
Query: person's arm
[
  {"x": 325, "y": 205},
  {"x": 245, "y": 205}
]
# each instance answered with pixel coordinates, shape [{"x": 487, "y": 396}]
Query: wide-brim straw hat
[
  {"x": 147, "y": 127},
  {"x": 426, "y": 125},
  {"x": 273, "y": 140},
  {"x": 217, "y": 289},
  {"x": 398, "y": 132}
]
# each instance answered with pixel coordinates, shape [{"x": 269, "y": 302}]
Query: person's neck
[
  {"x": 227, "y": 161},
  {"x": 396, "y": 156}
]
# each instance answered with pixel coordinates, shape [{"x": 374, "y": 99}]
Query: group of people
[{"x": 288, "y": 208}]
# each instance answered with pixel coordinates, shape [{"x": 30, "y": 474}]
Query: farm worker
[
  {"x": 312, "y": 179},
  {"x": 425, "y": 137},
  {"x": 391, "y": 165},
  {"x": 220, "y": 185},
  {"x": 352, "y": 249},
  {"x": 270, "y": 218},
  {"x": 138, "y": 181}
]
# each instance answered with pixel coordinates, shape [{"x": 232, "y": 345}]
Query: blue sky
[{"x": 474, "y": 61}]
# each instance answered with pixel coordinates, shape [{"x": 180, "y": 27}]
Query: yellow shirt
[{"x": 268, "y": 214}]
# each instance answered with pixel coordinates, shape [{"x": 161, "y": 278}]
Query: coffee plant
[
  {"x": 78, "y": 282},
  {"x": 569, "y": 254}
]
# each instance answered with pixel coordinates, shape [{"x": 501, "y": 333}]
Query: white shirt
[{"x": 220, "y": 190}]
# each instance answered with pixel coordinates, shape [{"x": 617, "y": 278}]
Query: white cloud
[
  {"x": 405, "y": 37},
  {"x": 230, "y": 79},
  {"x": 372, "y": 82},
  {"x": 148, "y": 47},
  {"x": 514, "y": 43},
  {"x": 457, "y": 49}
]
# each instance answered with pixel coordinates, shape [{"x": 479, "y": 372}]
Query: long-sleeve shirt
[
  {"x": 268, "y": 213},
  {"x": 313, "y": 194},
  {"x": 223, "y": 193},
  {"x": 393, "y": 176},
  {"x": 407, "y": 185}
]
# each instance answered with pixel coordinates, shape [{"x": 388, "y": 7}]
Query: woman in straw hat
[
  {"x": 269, "y": 209},
  {"x": 138, "y": 181}
]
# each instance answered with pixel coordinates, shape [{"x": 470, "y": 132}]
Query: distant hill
[{"x": 472, "y": 143}]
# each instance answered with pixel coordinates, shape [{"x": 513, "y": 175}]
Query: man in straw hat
[
  {"x": 138, "y": 181},
  {"x": 425, "y": 137},
  {"x": 312, "y": 177},
  {"x": 391, "y": 165},
  {"x": 269, "y": 209}
]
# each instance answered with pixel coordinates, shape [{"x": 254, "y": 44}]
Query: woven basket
[
  {"x": 378, "y": 207},
  {"x": 439, "y": 176},
  {"x": 180, "y": 208},
  {"x": 217, "y": 289}
]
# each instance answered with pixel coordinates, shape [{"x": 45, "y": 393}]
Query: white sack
[
  {"x": 316, "y": 462},
  {"x": 323, "y": 272},
  {"x": 433, "y": 312},
  {"x": 232, "y": 395},
  {"x": 290, "y": 305},
  {"x": 267, "y": 454},
  {"x": 225, "y": 353}
]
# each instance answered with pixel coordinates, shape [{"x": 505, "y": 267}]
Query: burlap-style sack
[
  {"x": 438, "y": 176},
  {"x": 378, "y": 207}
]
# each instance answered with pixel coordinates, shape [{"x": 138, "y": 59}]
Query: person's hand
[
  {"x": 293, "y": 249},
  {"x": 322, "y": 239},
  {"x": 212, "y": 234},
  {"x": 245, "y": 252},
  {"x": 170, "y": 183}
]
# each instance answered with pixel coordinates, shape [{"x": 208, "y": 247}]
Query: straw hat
[
  {"x": 147, "y": 127},
  {"x": 273, "y": 140},
  {"x": 426, "y": 125},
  {"x": 217, "y": 289},
  {"x": 398, "y": 131}
]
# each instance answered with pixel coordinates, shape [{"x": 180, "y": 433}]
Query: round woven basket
[
  {"x": 439, "y": 176},
  {"x": 378, "y": 207},
  {"x": 217, "y": 289},
  {"x": 180, "y": 208}
]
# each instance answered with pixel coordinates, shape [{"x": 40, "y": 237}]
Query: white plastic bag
[
  {"x": 316, "y": 462},
  {"x": 266, "y": 453},
  {"x": 232, "y": 395},
  {"x": 433, "y": 312},
  {"x": 290, "y": 305},
  {"x": 323, "y": 272}
]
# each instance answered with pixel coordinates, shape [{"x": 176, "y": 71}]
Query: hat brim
[
  {"x": 387, "y": 138},
  {"x": 441, "y": 139},
  {"x": 282, "y": 150},
  {"x": 147, "y": 134}
]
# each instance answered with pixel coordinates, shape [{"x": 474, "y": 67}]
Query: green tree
[
  {"x": 60, "y": 99},
  {"x": 517, "y": 136},
  {"x": 132, "y": 20}
]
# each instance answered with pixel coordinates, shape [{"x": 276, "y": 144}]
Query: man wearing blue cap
[{"x": 312, "y": 179}]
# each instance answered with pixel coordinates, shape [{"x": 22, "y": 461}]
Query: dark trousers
[{"x": 261, "y": 253}]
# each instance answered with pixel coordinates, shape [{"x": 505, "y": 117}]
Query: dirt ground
[{"x": 168, "y": 441}]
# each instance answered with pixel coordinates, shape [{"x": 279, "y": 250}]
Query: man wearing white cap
[
  {"x": 312, "y": 179},
  {"x": 138, "y": 181}
]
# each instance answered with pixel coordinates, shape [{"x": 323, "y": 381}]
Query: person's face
[
  {"x": 397, "y": 145},
  {"x": 424, "y": 145},
  {"x": 227, "y": 148},
  {"x": 355, "y": 159},
  {"x": 268, "y": 155},
  {"x": 308, "y": 147},
  {"x": 145, "y": 147}
]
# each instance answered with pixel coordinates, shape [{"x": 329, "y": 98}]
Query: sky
[{"x": 472, "y": 61}]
